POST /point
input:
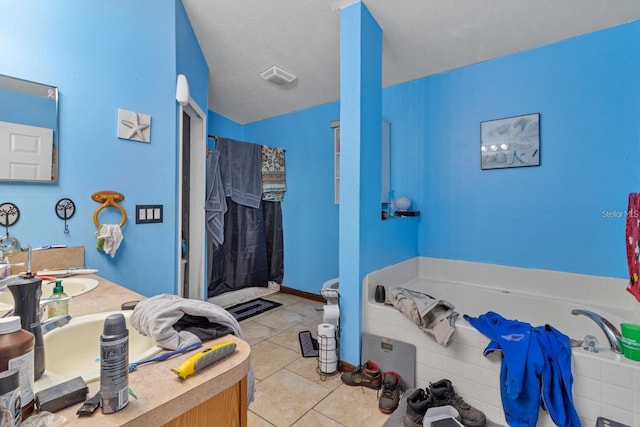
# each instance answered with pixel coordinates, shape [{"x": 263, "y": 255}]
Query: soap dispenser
[
  {"x": 27, "y": 290},
  {"x": 58, "y": 308}
]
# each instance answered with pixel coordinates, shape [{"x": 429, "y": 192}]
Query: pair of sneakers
[
  {"x": 369, "y": 375},
  {"x": 440, "y": 393}
]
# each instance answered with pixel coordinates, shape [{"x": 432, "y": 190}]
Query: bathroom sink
[
  {"x": 73, "y": 286},
  {"x": 74, "y": 349}
]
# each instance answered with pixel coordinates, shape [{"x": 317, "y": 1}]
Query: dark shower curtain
[
  {"x": 252, "y": 253},
  {"x": 246, "y": 237}
]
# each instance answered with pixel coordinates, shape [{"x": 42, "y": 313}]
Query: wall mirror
[{"x": 28, "y": 131}]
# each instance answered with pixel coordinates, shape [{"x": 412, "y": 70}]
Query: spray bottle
[
  {"x": 114, "y": 364},
  {"x": 392, "y": 203}
]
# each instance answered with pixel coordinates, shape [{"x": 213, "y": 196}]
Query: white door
[
  {"x": 191, "y": 281},
  {"x": 25, "y": 152}
]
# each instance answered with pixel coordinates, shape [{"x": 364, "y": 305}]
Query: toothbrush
[{"x": 164, "y": 356}]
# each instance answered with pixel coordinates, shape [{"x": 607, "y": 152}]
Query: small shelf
[
  {"x": 407, "y": 213},
  {"x": 400, "y": 214}
]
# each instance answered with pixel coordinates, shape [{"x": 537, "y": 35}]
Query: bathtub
[{"x": 605, "y": 384}]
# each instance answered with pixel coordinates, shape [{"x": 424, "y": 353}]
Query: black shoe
[
  {"x": 390, "y": 392},
  {"x": 443, "y": 394},
  {"x": 417, "y": 404}
]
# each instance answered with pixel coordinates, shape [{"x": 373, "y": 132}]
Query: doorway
[{"x": 191, "y": 197}]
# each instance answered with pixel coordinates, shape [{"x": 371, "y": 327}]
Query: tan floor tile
[
  {"x": 288, "y": 385},
  {"x": 280, "y": 318},
  {"x": 254, "y": 332},
  {"x": 285, "y": 299},
  {"x": 284, "y": 398},
  {"x": 307, "y": 367},
  {"x": 254, "y": 420},
  {"x": 353, "y": 407},
  {"x": 315, "y": 419},
  {"x": 312, "y": 324},
  {"x": 289, "y": 337},
  {"x": 267, "y": 358},
  {"x": 307, "y": 307}
]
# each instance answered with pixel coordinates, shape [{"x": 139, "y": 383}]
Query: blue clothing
[{"x": 535, "y": 370}]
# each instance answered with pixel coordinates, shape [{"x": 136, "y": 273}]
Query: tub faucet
[{"x": 610, "y": 331}]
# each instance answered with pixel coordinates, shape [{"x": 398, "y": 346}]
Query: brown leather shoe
[{"x": 367, "y": 375}]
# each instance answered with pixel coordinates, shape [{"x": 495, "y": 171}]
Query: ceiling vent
[{"x": 278, "y": 76}]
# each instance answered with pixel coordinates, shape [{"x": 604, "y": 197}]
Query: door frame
[{"x": 197, "y": 229}]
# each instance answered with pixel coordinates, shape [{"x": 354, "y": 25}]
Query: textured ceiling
[{"x": 242, "y": 38}]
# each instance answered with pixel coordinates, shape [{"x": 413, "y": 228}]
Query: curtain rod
[{"x": 216, "y": 138}]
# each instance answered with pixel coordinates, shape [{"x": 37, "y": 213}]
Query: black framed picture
[{"x": 511, "y": 142}]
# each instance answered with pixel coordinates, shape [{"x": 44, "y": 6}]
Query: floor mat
[
  {"x": 308, "y": 345},
  {"x": 252, "y": 308}
]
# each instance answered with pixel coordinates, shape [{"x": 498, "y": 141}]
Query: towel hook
[
  {"x": 65, "y": 208},
  {"x": 108, "y": 199},
  {"x": 9, "y": 215}
]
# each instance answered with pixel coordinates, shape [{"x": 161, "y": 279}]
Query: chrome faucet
[{"x": 610, "y": 331}]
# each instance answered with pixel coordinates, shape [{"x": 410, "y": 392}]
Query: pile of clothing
[
  {"x": 535, "y": 370},
  {"x": 433, "y": 316}
]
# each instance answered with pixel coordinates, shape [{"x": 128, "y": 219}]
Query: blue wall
[
  {"x": 310, "y": 217},
  {"x": 104, "y": 56},
  {"x": 587, "y": 91},
  {"x": 221, "y": 126}
]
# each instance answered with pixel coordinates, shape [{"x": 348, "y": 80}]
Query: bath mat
[
  {"x": 252, "y": 308},
  {"x": 308, "y": 345}
]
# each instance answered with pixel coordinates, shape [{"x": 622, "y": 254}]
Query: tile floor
[{"x": 289, "y": 391}]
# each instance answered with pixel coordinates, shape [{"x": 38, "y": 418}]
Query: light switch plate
[{"x": 148, "y": 214}]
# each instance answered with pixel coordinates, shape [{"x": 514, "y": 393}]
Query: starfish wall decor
[{"x": 134, "y": 126}]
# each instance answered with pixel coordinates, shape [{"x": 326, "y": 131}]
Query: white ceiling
[{"x": 242, "y": 38}]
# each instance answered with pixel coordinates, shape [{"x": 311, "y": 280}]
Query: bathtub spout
[{"x": 610, "y": 331}]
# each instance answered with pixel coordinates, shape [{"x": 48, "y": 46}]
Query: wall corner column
[{"x": 360, "y": 164}]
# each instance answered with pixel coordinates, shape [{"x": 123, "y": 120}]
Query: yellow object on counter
[{"x": 204, "y": 358}]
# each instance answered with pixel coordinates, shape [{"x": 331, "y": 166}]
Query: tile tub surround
[{"x": 605, "y": 384}]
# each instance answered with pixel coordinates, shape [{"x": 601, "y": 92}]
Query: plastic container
[
  {"x": 392, "y": 204},
  {"x": 58, "y": 308},
  {"x": 5, "y": 267},
  {"x": 114, "y": 364},
  {"x": 630, "y": 342},
  {"x": 10, "y": 412},
  {"x": 441, "y": 416},
  {"x": 631, "y": 331},
  {"x": 16, "y": 352}
]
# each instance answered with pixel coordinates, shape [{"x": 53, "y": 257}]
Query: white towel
[{"x": 109, "y": 238}]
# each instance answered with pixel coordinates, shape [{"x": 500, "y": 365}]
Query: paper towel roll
[{"x": 331, "y": 314}]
